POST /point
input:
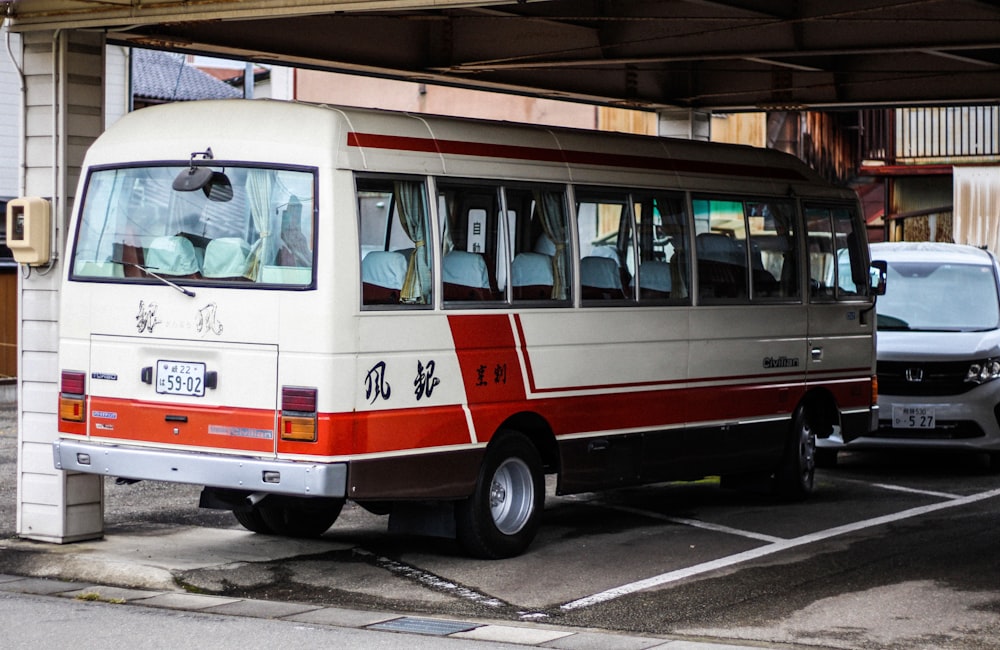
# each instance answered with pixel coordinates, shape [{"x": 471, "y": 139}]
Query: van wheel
[
  {"x": 796, "y": 475},
  {"x": 502, "y": 516},
  {"x": 303, "y": 518},
  {"x": 252, "y": 520}
]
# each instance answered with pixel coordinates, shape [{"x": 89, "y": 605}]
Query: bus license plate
[
  {"x": 913, "y": 417},
  {"x": 180, "y": 378}
]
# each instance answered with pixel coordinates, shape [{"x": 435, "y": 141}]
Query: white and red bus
[{"x": 296, "y": 305}]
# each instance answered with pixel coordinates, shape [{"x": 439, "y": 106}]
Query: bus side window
[
  {"x": 774, "y": 250},
  {"x": 721, "y": 250},
  {"x": 852, "y": 258},
  {"x": 394, "y": 231},
  {"x": 471, "y": 236},
  {"x": 662, "y": 228},
  {"x": 537, "y": 228},
  {"x": 604, "y": 227},
  {"x": 838, "y": 262}
]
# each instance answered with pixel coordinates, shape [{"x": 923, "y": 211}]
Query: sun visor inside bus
[{"x": 215, "y": 185}]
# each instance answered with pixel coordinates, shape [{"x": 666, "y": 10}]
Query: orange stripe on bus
[
  {"x": 414, "y": 429},
  {"x": 242, "y": 429},
  {"x": 371, "y": 432}
]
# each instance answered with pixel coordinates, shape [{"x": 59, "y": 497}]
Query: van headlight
[{"x": 981, "y": 372}]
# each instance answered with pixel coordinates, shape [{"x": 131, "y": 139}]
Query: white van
[{"x": 938, "y": 352}]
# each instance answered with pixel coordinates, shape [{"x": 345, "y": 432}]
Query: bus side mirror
[{"x": 879, "y": 269}]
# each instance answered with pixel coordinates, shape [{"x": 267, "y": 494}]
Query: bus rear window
[{"x": 244, "y": 226}]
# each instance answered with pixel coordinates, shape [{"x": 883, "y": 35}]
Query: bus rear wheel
[
  {"x": 252, "y": 520},
  {"x": 796, "y": 475},
  {"x": 300, "y": 518},
  {"x": 502, "y": 516}
]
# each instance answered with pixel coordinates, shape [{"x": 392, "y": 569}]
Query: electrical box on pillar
[{"x": 29, "y": 230}]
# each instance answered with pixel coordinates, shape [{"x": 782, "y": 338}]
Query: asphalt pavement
[{"x": 144, "y": 565}]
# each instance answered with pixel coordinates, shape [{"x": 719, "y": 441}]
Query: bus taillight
[
  {"x": 298, "y": 414},
  {"x": 71, "y": 398},
  {"x": 874, "y": 390}
]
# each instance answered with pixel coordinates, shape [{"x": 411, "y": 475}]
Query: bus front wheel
[
  {"x": 796, "y": 475},
  {"x": 502, "y": 516}
]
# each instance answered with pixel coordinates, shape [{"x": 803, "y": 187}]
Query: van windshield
[
  {"x": 245, "y": 226},
  {"x": 930, "y": 296}
]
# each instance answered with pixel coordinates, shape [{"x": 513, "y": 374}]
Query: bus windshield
[{"x": 248, "y": 226}]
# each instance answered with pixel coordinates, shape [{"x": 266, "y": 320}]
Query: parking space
[
  {"x": 597, "y": 548},
  {"x": 691, "y": 559}
]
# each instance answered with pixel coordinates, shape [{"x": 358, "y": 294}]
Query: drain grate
[{"x": 431, "y": 626}]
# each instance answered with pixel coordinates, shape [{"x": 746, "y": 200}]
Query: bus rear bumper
[{"x": 234, "y": 472}]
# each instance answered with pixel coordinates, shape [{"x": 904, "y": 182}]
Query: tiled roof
[{"x": 165, "y": 76}]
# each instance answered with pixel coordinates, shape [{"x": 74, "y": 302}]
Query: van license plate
[
  {"x": 180, "y": 378},
  {"x": 913, "y": 417}
]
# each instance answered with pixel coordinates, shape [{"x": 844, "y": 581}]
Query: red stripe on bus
[
  {"x": 487, "y": 357},
  {"x": 566, "y": 156}
]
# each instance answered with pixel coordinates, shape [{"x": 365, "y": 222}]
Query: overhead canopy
[{"x": 717, "y": 54}]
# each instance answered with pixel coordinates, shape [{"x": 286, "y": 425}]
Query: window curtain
[
  {"x": 260, "y": 183},
  {"x": 551, "y": 209},
  {"x": 977, "y": 204},
  {"x": 673, "y": 217},
  {"x": 413, "y": 218}
]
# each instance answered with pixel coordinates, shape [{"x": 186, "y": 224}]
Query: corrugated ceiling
[{"x": 725, "y": 54}]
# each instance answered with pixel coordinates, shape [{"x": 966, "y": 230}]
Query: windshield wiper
[
  {"x": 887, "y": 322},
  {"x": 185, "y": 291}
]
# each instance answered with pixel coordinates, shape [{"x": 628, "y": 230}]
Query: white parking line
[
  {"x": 770, "y": 549},
  {"x": 694, "y": 523},
  {"x": 901, "y": 488}
]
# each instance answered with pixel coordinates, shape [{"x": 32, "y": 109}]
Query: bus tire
[
  {"x": 502, "y": 516},
  {"x": 290, "y": 519},
  {"x": 252, "y": 520},
  {"x": 796, "y": 475}
]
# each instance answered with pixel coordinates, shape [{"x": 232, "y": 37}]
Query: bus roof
[{"x": 365, "y": 139}]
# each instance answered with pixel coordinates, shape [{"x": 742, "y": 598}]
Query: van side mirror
[{"x": 879, "y": 269}]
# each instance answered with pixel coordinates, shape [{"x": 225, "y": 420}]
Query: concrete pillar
[
  {"x": 685, "y": 123},
  {"x": 63, "y": 113}
]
